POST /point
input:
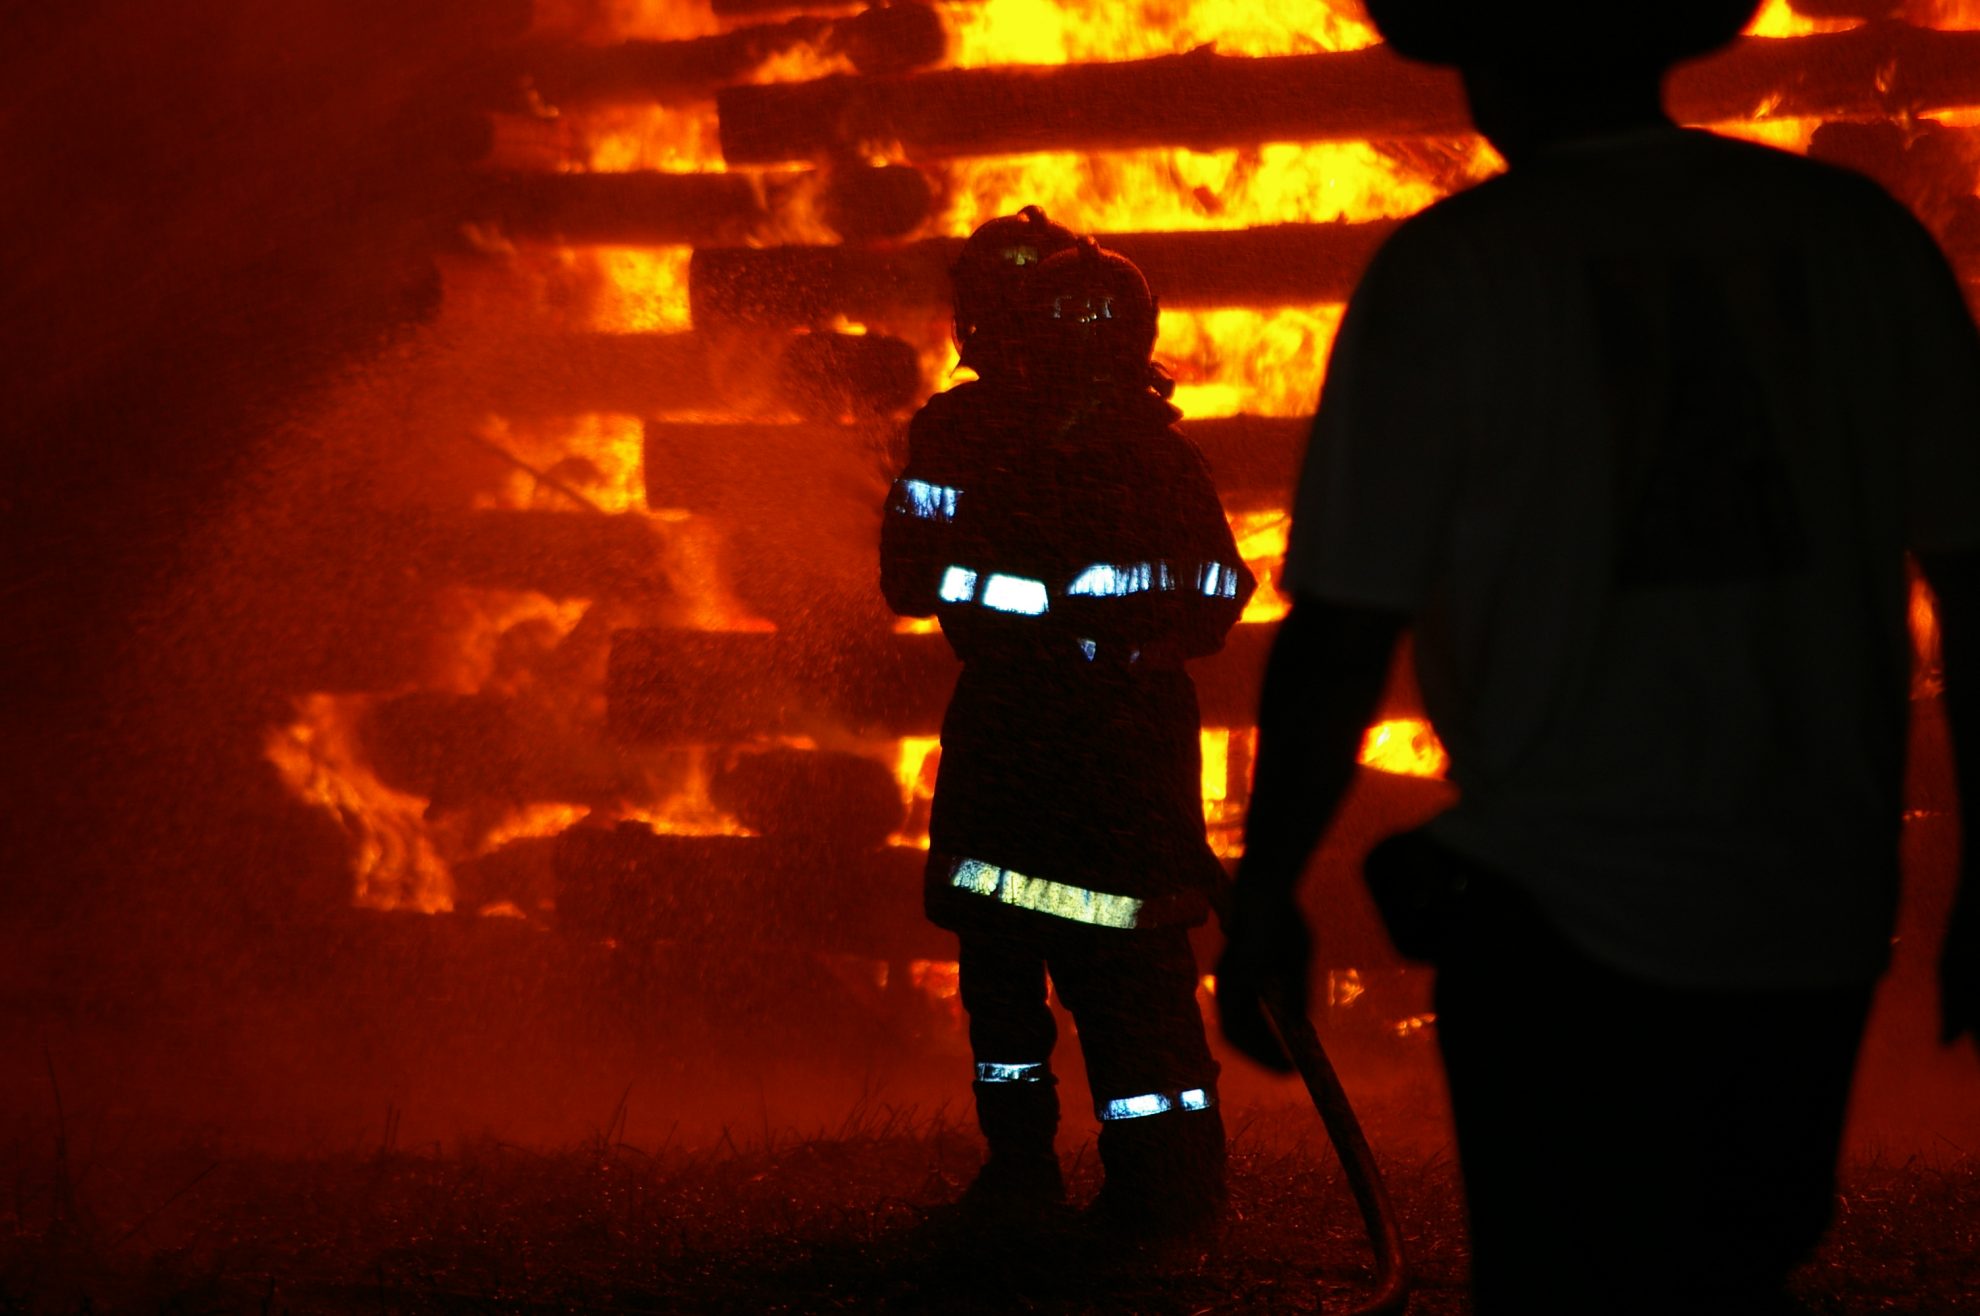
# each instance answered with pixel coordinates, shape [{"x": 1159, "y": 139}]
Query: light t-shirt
[{"x": 1638, "y": 434}]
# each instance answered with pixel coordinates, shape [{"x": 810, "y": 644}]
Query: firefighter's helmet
[
  {"x": 989, "y": 277},
  {"x": 1094, "y": 315}
]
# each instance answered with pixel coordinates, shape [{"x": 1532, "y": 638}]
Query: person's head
[
  {"x": 1093, "y": 320},
  {"x": 989, "y": 277},
  {"x": 1539, "y": 71}
]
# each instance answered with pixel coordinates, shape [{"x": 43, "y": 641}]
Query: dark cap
[{"x": 1471, "y": 33}]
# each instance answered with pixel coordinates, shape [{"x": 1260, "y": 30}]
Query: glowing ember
[
  {"x": 1261, "y": 541},
  {"x": 914, "y": 769},
  {"x": 1344, "y": 988},
  {"x": 645, "y": 290},
  {"x": 1928, "y": 674},
  {"x": 1216, "y": 750},
  {"x": 1405, "y": 746},
  {"x": 1777, "y": 18}
]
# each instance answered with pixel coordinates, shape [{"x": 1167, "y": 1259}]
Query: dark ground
[
  {"x": 839, "y": 1221},
  {"x": 434, "y": 1116}
]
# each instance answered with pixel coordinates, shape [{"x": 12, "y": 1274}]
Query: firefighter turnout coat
[{"x": 1074, "y": 564}]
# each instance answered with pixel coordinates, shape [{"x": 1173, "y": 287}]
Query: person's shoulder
[
  {"x": 1167, "y": 444},
  {"x": 970, "y": 395},
  {"x": 1810, "y": 181}
]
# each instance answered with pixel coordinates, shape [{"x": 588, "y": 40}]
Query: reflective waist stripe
[
  {"x": 958, "y": 585},
  {"x": 1214, "y": 580},
  {"x": 1015, "y": 594},
  {"x": 1153, "y": 1103},
  {"x": 1105, "y": 580},
  {"x": 995, "y": 1072},
  {"x": 1019, "y": 594},
  {"x": 930, "y": 502},
  {"x": 1058, "y": 899}
]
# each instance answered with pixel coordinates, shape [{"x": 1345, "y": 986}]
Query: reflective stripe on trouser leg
[
  {"x": 991, "y": 1071},
  {"x": 1153, "y": 1103}
]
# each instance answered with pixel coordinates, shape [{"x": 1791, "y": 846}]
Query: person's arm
[
  {"x": 1955, "y": 580},
  {"x": 1328, "y": 665},
  {"x": 917, "y": 527}
]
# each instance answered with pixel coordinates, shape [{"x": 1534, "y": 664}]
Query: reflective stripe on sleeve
[
  {"x": 1059, "y": 899},
  {"x": 1153, "y": 1103},
  {"x": 995, "y": 1072},
  {"x": 1107, "y": 580},
  {"x": 930, "y": 502},
  {"x": 1217, "y": 581}
]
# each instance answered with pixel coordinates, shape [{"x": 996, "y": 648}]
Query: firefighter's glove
[
  {"x": 1267, "y": 957},
  {"x": 1959, "y": 970}
]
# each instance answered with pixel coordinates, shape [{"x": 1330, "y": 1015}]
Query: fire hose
[{"x": 1302, "y": 1043}]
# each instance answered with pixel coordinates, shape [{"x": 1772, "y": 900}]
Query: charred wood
[
  {"x": 714, "y": 686},
  {"x": 827, "y": 377},
  {"x": 1200, "y": 99},
  {"x": 1276, "y": 265},
  {"x": 562, "y": 374},
  {"x": 882, "y": 41},
  {"x": 647, "y": 208},
  {"x": 816, "y": 376},
  {"x": 846, "y": 801},
  {"x": 565, "y": 554},
  {"x": 630, "y": 885},
  {"x": 1206, "y": 100}
]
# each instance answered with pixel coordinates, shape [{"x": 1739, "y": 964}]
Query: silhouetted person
[
  {"x": 1071, "y": 543},
  {"x": 1635, "y": 437}
]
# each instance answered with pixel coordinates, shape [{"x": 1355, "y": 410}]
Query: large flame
[{"x": 1227, "y": 362}]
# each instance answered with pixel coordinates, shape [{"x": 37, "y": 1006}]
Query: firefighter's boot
[
  {"x": 1019, "y": 1119},
  {"x": 1165, "y": 1177}
]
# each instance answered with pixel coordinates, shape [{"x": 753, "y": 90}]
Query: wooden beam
[
  {"x": 1205, "y": 100},
  {"x": 1276, "y": 265},
  {"x": 885, "y": 40}
]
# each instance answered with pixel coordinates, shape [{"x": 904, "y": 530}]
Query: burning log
[
  {"x": 645, "y": 374},
  {"x": 882, "y": 40},
  {"x": 714, "y": 686},
  {"x": 1276, "y": 265},
  {"x": 654, "y": 374},
  {"x": 829, "y": 376},
  {"x": 564, "y": 554},
  {"x": 647, "y": 208},
  {"x": 1206, "y": 100},
  {"x": 1254, "y": 459},
  {"x": 1933, "y": 169},
  {"x": 1200, "y": 99},
  {"x": 845, "y": 801},
  {"x": 630, "y": 885}
]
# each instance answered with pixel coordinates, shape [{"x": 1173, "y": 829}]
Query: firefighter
[{"x": 1085, "y": 558}]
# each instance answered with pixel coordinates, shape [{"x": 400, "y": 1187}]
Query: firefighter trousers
[{"x": 1132, "y": 996}]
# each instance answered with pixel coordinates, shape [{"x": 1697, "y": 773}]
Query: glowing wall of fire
[{"x": 659, "y": 694}]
